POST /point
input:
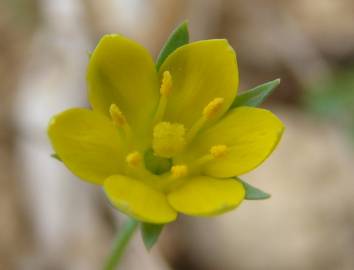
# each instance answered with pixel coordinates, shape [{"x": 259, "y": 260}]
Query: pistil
[{"x": 168, "y": 139}]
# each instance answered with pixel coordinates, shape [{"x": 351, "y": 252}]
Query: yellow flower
[{"x": 164, "y": 142}]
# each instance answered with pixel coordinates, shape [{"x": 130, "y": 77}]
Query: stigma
[{"x": 168, "y": 139}]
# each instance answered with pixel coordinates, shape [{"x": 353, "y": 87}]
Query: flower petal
[
  {"x": 207, "y": 196},
  {"x": 121, "y": 71},
  {"x": 138, "y": 200},
  {"x": 201, "y": 71},
  {"x": 87, "y": 143},
  {"x": 251, "y": 134}
]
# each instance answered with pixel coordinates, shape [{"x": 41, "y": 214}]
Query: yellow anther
[
  {"x": 179, "y": 171},
  {"x": 218, "y": 151},
  {"x": 134, "y": 159},
  {"x": 165, "y": 91},
  {"x": 209, "y": 112},
  {"x": 213, "y": 108},
  {"x": 168, "y": 139},
  {"x": 166, "y": 84},
  {"x": 117, "y": 116}
]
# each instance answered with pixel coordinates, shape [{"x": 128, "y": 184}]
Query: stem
[{"x": 120, "y": 243}]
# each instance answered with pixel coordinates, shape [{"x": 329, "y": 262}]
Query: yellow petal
[
  {"x": 250, "y": 134},
  {"x": 201, "y": 71},
  {"x": 87, "y": 143},
  {"x": 207, "y": 196},
  {"x": 122, "y": 72},
  {"x": 138, "y": 200}
]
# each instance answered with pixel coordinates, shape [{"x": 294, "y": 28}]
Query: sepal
[
  {"x": 150, "y": 233},
  {"x": 253, "y": 193},
  {"x": 255, "y": 96},
  {"x": 178, "y": 38}
]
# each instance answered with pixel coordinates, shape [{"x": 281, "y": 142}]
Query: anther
[
  {"x": 179, "y": 171},
  {"x": 134, "y": 159},
  {"x": 165, "y": 91},
  {"x": 117, "y": 116},
  {"x": 166, "y": 84},
  {"x": 218, "y": 151},
  {"x": 209, "y": 112},
  {"x": 213, "y": 108},
  {"x": 120, "y": 122}
]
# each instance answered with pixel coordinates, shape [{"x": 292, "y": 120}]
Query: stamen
[
  {"x": 218, "y": 151},
  {"x": 213, "y": 108},
  {"x": 120, "y": 121},
  {"x": 195, "y": 129},
  {"x": 136, "y": 167},
  {"x": 166, "y": 84},
  {"x": 134, "y": 159},
  {"x": 209, "y": 112},
  {"x": 165, "y": 91},
  {"x": 168, "y": 139},
  {"x": 117, "y": 116},
  {"x": 179, "y": 171}
]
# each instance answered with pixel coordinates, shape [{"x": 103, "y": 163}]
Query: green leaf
[
  {"x": 54, "y": 155},
  {"x": 178, "y": 38},
  {"x": 150, "y": 233},
  {"x": 253, "y": 193},
  {"x": 255, "y": 96}
]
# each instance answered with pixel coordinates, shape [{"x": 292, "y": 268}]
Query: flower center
[
  {"x": 168, "y": 139},
  {"x": 162, "y": 165}
]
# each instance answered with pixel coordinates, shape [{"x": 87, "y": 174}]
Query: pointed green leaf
[
  {"x": 179, "y": 37},
  {"x": 255, "y": 96},
  {"x": 54, "y": 155},
  {"x": 150, "y": 233},
  {"x": 253, "y": 193}
]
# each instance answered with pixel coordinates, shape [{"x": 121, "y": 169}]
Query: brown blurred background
[{"x": 51, "y": 220}]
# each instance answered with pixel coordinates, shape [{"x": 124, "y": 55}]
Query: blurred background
[{"x": 51, "y": 220}]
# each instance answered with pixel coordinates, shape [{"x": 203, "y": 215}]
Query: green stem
[{"x": 120, "y": 243}]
